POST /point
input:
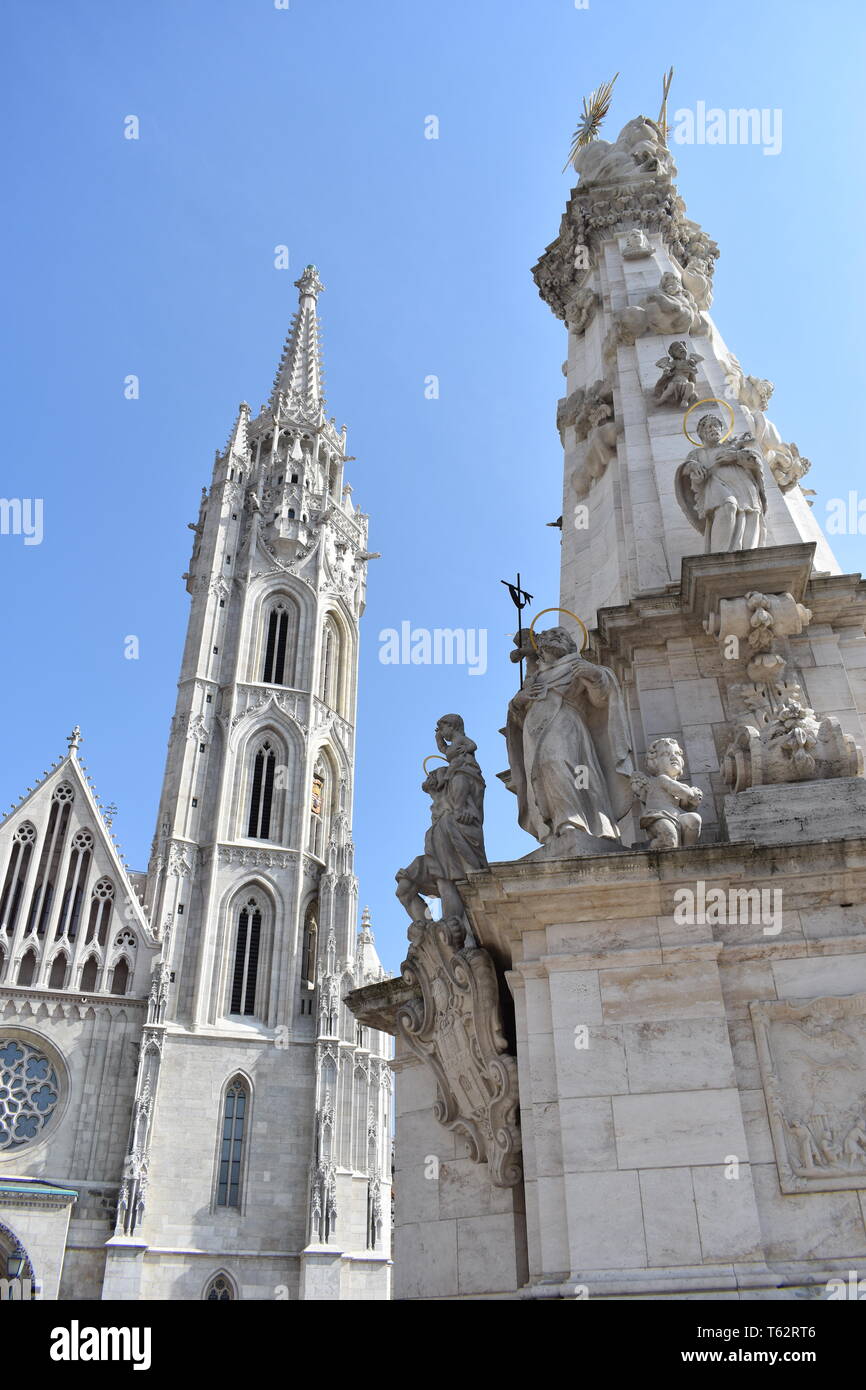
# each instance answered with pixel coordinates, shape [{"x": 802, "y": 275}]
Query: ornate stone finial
[
  {"x": 74, "y": 739},
  {"x": 309, "y": 282},
  {"x": 366, "y": 926}
]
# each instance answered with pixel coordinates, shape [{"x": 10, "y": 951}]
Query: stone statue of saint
[
  {"x": 454, "y": 843},
  {"x": 720, "y": 487},
  {"x": 569, "y": 749}
]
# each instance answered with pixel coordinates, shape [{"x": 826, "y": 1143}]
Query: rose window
[{"x": 29, "y": 1092}]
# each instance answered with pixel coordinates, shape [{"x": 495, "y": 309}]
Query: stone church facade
[
  {"x": 636, "y": 1066},
  {"x": 187, "y": 1108}
]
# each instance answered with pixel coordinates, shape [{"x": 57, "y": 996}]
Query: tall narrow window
[
  {"x": 57, "y": 978},
  {"x": 76, "y": 883},
  {"x": 232, "y": 1144},
  {"x": 329, "y": 664},
  {"x": 27, "y": 968},
  {"x": 311, "y": 940},
  {"x": 246, "y": 963},
  {"x": 89, "y": 975},
  {"x": 276, "y": 646},
  {"x": 16, "y": 874},
  {"x": 120, "y": 977},
  {"x": 320, "y": 806},
  {"x": 49, "y": 863},
  {"x": 262, "y": 793}
]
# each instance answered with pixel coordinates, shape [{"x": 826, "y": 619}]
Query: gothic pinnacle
[{"x": 299, "y": 375}]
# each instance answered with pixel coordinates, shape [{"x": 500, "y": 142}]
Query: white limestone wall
[
  {"x": 456, "y": 1235},
  {"x": 628, "y": 1141}
]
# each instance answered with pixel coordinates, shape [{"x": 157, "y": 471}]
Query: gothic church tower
[
  {"x": 262, "y": 1107},
  {"x": 187, "y": 1109}
]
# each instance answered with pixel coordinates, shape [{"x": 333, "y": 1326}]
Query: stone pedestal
[{"x": 817, "y": 810}]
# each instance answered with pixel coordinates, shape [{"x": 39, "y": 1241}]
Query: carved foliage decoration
[
  {"x": 455, "y": 1027},
  {"x": 812, "y": 1055}
]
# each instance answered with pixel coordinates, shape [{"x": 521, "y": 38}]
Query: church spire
[{"x": 299, "y": 377}]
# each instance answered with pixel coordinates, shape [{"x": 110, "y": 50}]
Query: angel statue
[
  {"x": 454, "y": 842},
  {"x": 720, "y": 487},
  {"x": 679, "y": 374},
  {"x": 569, "y": 749}
]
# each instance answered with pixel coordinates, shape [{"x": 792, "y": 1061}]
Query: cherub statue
[
  {"x": 679, "y": 374},
  {"x": 720, "y": 487},
  {"x": 669, "y": 804}
]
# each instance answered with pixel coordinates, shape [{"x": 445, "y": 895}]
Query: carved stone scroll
[{"x": 455, "y": 1026}]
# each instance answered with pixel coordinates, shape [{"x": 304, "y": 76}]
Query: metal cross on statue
[{"x": 520, "y": 598}]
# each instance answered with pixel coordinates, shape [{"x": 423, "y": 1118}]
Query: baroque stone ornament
[
  {"x": 668, "y": 309},
  {"x": 812, "y": 1057},
  {"x": 789, "y": 744},
  {"x": 569, "y": 749},
  {"x": 454, "y": 844},
  {"x": 720, "y": 487},
  {"x": 589, "y": 412},
  {"x": 784, "y": 461},
  {"x": 454, "y": 1025},
  {"x": 670, "y": 812},
  {"x": 636, "y": 246}
]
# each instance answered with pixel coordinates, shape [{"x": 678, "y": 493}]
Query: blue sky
[{"x": 305, "y": 127}]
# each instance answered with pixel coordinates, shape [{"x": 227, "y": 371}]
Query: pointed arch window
[
  {"x": 120, "y": 977},
  {"x": 99, "y": 918},
  {"x": 59, "y": 970},
  {"x": 320, "y": 808},
  {"x": 219, "y": 1289},
  {"x": 23, "y": 843},
  {"x": 45, "y": 887},
  {"x": 329, "y": 667},
  {"x": 280, "y": 626},
  {"x": 89, "y": 975},
  {"x": 76, "y": 883},
  {"x": 232, "y": 1143},
  {"x": 262, "y": 793},
  {"x": 246, "y": 962},
  {"x": 310, "y": 947},
  {"x": 27, "y": 968}
]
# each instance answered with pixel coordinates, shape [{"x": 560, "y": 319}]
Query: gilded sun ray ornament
[{"x": 595, "y": 108}]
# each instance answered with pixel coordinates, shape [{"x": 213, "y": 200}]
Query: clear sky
[{"x": 306, "y": 127}]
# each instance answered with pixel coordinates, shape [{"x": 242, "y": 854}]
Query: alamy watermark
[
  {"x": 22, "y": 516},
  {"x": 703, "y": 906},
  {"x": 739, "y": 126},
  {"x": 438, "y": 646}
]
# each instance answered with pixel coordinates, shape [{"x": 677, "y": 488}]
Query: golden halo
[
  {"x": 710, "y": 400},
  {"x": 581, "y": 625},
  {"x": 427, "y": 759}
]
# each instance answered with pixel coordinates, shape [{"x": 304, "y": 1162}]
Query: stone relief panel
[{"x": 812, "y": 1056}]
